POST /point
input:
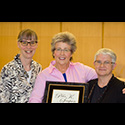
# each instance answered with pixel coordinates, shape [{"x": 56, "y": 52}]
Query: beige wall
[{"x": 90, "y": 36}]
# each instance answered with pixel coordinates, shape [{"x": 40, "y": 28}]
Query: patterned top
[{"x": 14, "y": 87}]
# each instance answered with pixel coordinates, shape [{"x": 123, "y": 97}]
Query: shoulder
[
  {"x": 9, "y": 66},
  {"x": 8, "y": 71},
  {"x": 93, "y": 81},
  {"x": 46, "y": 71},
  {"x": 86, "y": 71},
  {"x": 36, "y": 64},
  {"x": 77, "y": 64},
  {"x": 81, "y": 65},
  {"x": 118, "y": 83}
]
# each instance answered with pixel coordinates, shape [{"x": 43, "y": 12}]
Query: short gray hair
[{"x": 106, "y": 51}]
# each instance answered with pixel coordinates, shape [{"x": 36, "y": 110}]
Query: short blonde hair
[{"x": 65, "y": 37}]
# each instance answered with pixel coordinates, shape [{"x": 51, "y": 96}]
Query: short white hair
[{"x": 106, "y": 51}]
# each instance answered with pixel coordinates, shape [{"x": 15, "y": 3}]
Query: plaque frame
[{"x": 65, "y": 92}]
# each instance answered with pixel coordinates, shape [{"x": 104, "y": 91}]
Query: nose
[
  {"x": 102, "y": 64},
  {"x": 28, "y": 46}
]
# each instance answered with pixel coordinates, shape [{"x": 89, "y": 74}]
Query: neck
[
  {"x": 104, "y": 80},
  {"x": 62, "y": 68},
  {"x": 26, "y": 63}
]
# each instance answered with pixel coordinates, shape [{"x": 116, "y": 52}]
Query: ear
[{"x": 94, "y": 63}]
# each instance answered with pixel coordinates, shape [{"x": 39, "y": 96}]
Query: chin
[{"x": 101, "y": 74}]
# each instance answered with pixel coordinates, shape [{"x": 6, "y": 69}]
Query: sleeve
[
  {"x": 5, "y": 86},
  {"x": 122, "y": 96},
  {"x": 90, "y": 73},
  {"x": 38, "y": 90}
]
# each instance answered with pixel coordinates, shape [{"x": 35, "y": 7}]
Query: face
[
  {"x": 28, "y": 51},
  {"x": 103, "y": 65},
  {"x": 62, "y": 54}
]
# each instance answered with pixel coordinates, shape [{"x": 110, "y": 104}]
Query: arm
[
  {"x": 90, "y": 73},
  {"x": 123, "y": 90},
  {"x": 5, "y": 86},
  {"x": 122, "y": 79},
  {"x": 122, "y": 94},
  {"x": 38, "y": 90}
]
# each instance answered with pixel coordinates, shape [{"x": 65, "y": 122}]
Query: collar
[
  {"x": 17, "y": 59},
  {"x": 52, "y": 67},
  {"x": 110, "y": 81},
  {"x": 106, "y": 88},
  {"x": 20, "y": 66}
]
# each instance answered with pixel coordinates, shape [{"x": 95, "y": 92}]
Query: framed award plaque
[{"x": 65, "y": 92}]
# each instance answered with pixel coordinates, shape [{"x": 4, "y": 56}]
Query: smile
[
  {"x": 102, "y": 69},
  {"x": 62, "y": 58},
  {"x": 28, "y": 52}
]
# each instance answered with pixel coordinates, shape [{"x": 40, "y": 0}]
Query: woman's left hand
[{"x": 123, "y": 91}]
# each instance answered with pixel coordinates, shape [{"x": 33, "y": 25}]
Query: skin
[
  {"x": 62, "y": 58},
  {"x": 104, "y": 71},
  {"x": 26, "y": 54}
]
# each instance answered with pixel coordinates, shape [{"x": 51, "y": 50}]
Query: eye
[
  {"x": 24, "y": 42},
  {"x": 58, "y": 49},
  {"x": 106, "y": 62},
  {"x": 66, "y": 50},
  {"x": 32, "y": 42},
  {"x": 99, "y": 62}
]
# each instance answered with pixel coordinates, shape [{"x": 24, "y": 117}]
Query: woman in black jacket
[{"x": 107, "y": 88}]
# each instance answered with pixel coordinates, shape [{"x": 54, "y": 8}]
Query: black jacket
[{"x": 112, "y": 93}]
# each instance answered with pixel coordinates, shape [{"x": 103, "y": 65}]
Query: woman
[
  {"x": 18, "y": 76},
  {"x": 107, "y": 88},
  {"x": 61, "y": 69}
]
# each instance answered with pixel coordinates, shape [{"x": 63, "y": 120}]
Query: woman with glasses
[
  {"x": 17, "y": 78},
  {"x": 61, "y": 69},
  {"x": 107, "y": 88}
]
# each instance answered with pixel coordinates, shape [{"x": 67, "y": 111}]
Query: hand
[{"x": 123, "y": 91}]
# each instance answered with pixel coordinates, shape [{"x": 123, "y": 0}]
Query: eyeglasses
[
  {"x": 98, "y": 62},
  {"x": 59, "y": 50},
  {"x": 25, "y": 43}
]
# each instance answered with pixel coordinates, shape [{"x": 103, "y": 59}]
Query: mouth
[
  {"x": 28, "y": 52},
  {"x": 102, "y": 69},
  {"x": 62, "y": 58}
]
